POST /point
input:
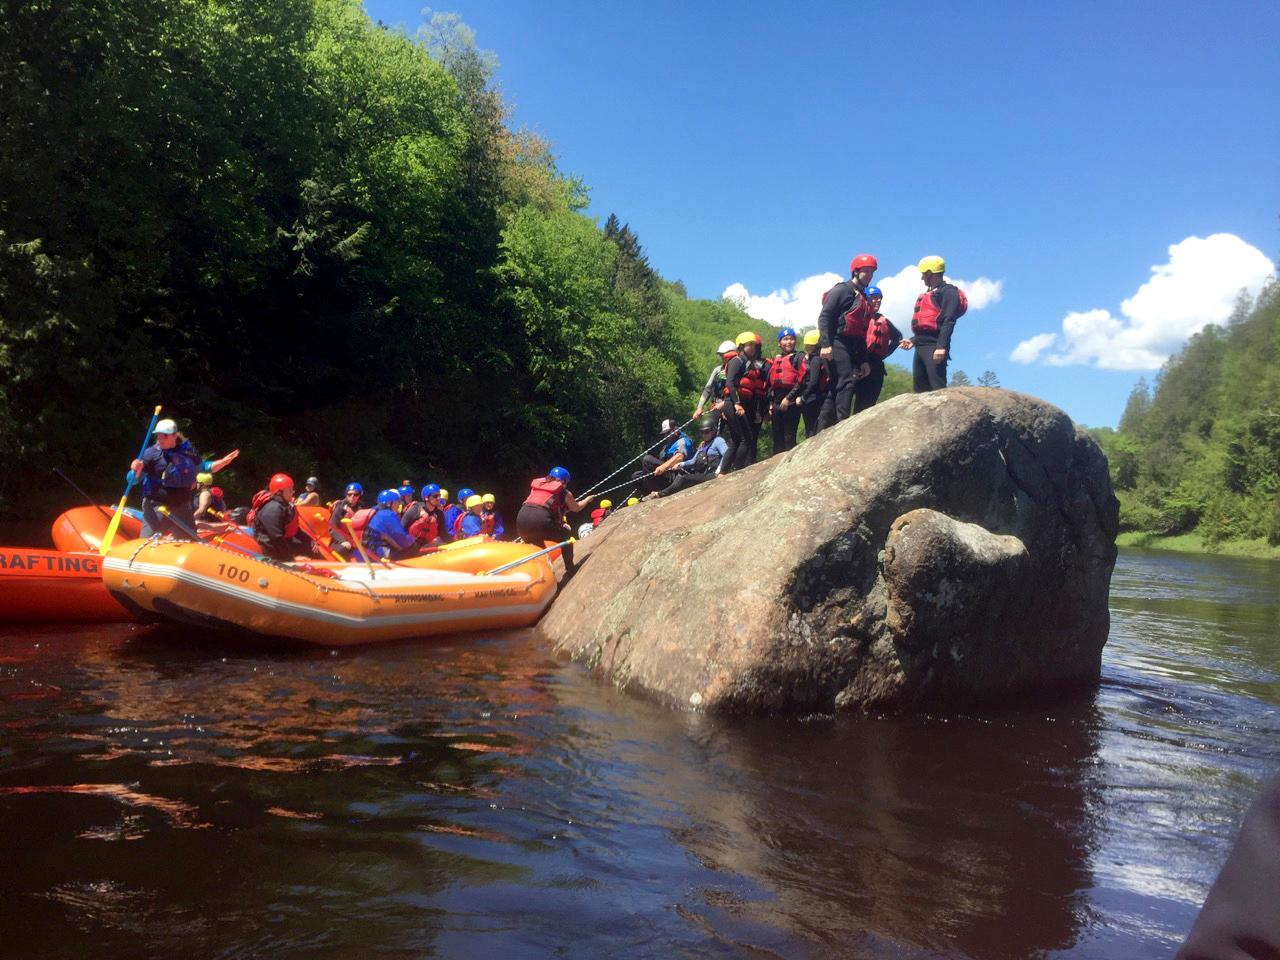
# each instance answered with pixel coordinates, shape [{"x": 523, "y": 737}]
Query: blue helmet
[
  {"x": 785, "y": 332},
  {"x": 559, "y": 473},
  {"x": 464, "y": 493},
  {"x": 354, "y": 488},
  {"x": 389, "y": 497},
  {"x": 872, "y": 292},
  {"x": 406, "y": 491},
  {"x": 431, "y": 489}
]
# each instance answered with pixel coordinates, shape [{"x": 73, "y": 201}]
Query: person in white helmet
[
  {"x": 713, "y": 392},
  {"x": 168, "y": 470}
]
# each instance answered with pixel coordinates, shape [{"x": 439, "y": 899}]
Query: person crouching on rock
[
  {"x": 653, "y": 473},
  {"x": 275, "y": 523},
  {"x": 702, "y": 465},
  {"x": 383, "y": 536},
  {"x": 541, "y": 516}
]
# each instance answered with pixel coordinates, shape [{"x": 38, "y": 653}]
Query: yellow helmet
[
  {"x": 606, "y": 504},
  {"x": 747, "y": 337},
  {"x": 444, "y": 495},
  {"x": 473, "y": 501},
  {"x": 632, "y": 501},
  {"x": 811, "y": 338},
  {"x": 205, "y": 478},
  {"x": 933, "y": 265},
  {"x": 489, "y": 498}
]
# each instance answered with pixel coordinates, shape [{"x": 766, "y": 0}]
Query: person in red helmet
[
  {"x": 274, "y": 520},
  {"x": 842, "y": 331}
]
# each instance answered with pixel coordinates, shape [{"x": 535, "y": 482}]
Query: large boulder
[{"x": 947, "y": 549}]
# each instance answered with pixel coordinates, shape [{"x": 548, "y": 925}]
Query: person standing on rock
[
  {"x": 810, "y": 394},
  {"x": 842, "y": 331},
  {"x": 746, "y": 400},
  {"x": 785, "y": 374},
  {"x": 882, "y": 339},
  {"x": 541, "y": 517},
  {"x": 713, "y": 392},
  {"x": 932, "y": 321}
]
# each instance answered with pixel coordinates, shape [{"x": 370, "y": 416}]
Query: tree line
[
  {"x": 316, "y": 239},
  {"x": 1198, "y": 451}
]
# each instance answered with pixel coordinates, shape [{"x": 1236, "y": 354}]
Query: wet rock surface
[{"x": 947, "y": 549}]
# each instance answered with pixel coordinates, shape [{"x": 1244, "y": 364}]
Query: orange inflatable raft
[
  {"x": 53, "y": 585},
  {"x": 335, "y": 604}
]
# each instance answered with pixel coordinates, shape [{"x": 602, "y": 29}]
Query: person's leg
[{"x": 842, "y": 353}]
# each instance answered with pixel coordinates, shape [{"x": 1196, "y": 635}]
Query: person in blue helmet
[
  {"x": 427, "y": 527},
  {"x": 344, "y": 509},
  {"x": 785, "y": 375},
  {"x": 541, "y": 519},
  {"x": 383, "y": 536},
  {"x": 453, "y": 513},
  {"x": 882, "y": 339}
]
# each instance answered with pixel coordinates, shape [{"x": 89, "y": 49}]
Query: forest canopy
[{"x": 316, "y": 239}]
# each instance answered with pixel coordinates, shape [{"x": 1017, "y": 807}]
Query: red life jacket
[
  {"x": 754, "y": 381},
  {"x": 786, "y": 372},
  {"x": 486, "y": 523},
  {"x": 924, "y": 319},
  {"x": 547, "y": 493},
  {"x": 857, "y": 318},
  {"x": 456, "y": 532},
  {"x": 878, "y": 337},
  {"x": 427, "y": 527},
  {"x": 360, "y": 520}
]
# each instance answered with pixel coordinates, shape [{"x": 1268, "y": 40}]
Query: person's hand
[
  {"x": 786, "y": 402},
  {"x": 219, "y": 464},
  {"x": 939, "y": 355},
  {"x": 906, "y": 344},
  {"x": 864, "y": 370},
  {"x": 696, "y": 414},
  {"x": 718, "y": 405},
  {"x": 737, "y": 407},
  {"x": 660, "y": 469},
  {"x": 825, "y": 353},
  {"x": 587, "y": 499},
  {"x": 136, "y": 467}
]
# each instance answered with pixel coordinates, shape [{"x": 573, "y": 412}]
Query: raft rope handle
[
  {"x": 629, "y": 462},
  {"x": 240, "y": 551},
  {"x": 533, "y": 556}
]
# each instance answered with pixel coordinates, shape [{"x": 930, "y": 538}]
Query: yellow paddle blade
[{"x": 109, "y": 537}]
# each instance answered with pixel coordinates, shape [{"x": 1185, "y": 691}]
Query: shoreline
[{"x": 1258, "y": 549}]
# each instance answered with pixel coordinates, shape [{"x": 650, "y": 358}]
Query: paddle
[
  {"x": 515, "y": 563},
  {"x": 164, "y": 511},
  {"x": 76, "y": 487},
  {"x": 110, "y": 535}
]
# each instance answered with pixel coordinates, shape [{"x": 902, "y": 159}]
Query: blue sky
[{"x": 1103, "y": 178}]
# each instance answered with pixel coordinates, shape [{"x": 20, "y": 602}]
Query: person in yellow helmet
[
  {"x": 600, "y": 512},
  {"x": 811, "y": 393},
  {"x": 746, "y": 401},
  {"x": 932, "y": 322}
]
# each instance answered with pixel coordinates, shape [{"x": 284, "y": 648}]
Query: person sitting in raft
[
  {"x": 344, "y": 509},
  {"x": 472, "y": 523},
  {"x": 383, "y": 536},
  {"x": 453, "y": 513},
  {"x": 310, "y": 497},
  {"x": 275, "y": 523},
  {"x": 541, "y": 517},
  {"x": 492, "y": 518},
  {"x": 679, "y": 448},
  {"x": 704, "y": 463},
  {"x": 204, "y": 505},
  {"x": 605, "y": 508},
  {"x": 427, "y": 529},
  {"x": 713, "y": 392},
  {"x": 168, "y": 470}
]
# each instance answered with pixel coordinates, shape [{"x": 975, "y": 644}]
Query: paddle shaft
[
  {"x": 110, "y": 535},
  {"x": 76, "y": 487}
]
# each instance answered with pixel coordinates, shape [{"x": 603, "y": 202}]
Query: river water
[{"x": 164, "y": 795}]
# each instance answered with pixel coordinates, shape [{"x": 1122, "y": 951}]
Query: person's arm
[
  {"x": 391, "y": 529},
  {"x": 498, "y": 528},
  {"x": 707, "y": 392},
  {"x": 572, "y": 505},
  {"x": 213, "y": 466},
  {"x": 833, "y": 310},
  {"x": 948, "y": 307},
  {"x": 733, "y": 375}
]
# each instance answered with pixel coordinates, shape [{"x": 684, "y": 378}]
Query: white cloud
[
  {"x": 1197, "y": 286},
  {"x": 1028, "y": 351},
  {"x": 799, "y": 306}
]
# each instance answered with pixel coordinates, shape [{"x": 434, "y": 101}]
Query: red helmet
[
  {"x": 863, "y": 260},
  {"x": 216, "y": 491},
  {"x": 279, "y": 482}
]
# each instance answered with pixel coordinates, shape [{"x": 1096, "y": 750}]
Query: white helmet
[
  {"x": 726, "y": 347},
  {"x": 166, "y": 426}
]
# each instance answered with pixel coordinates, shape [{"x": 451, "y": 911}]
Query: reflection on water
[{"x": 472, "y": 797}]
